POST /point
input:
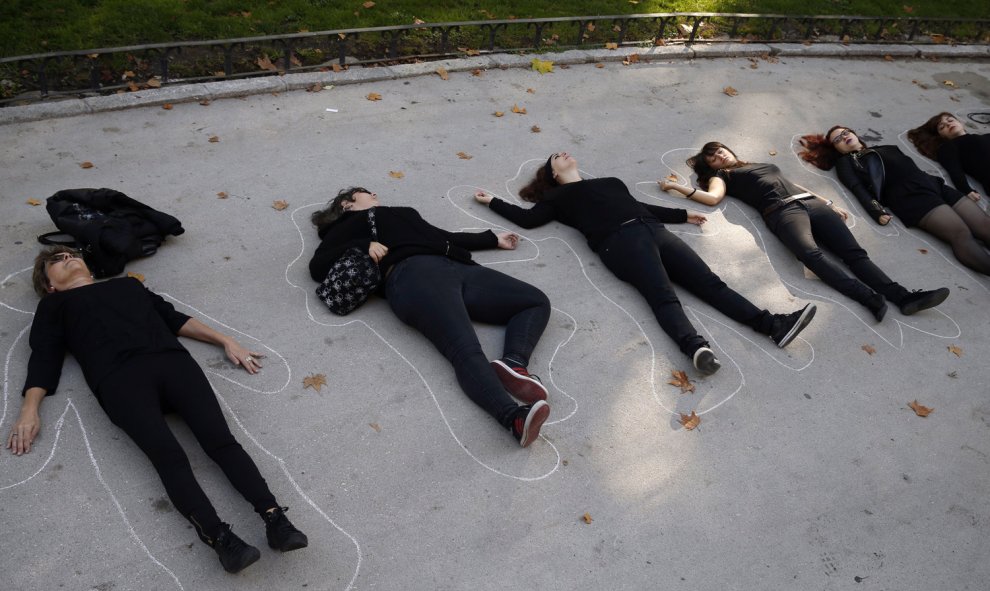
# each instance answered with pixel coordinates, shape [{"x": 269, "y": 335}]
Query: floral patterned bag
[{"x": 352, "y": 277}]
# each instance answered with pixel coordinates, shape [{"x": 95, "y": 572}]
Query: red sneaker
[
  {"x": 524, "y": 387},
  {"x": 527, "y": 422}
]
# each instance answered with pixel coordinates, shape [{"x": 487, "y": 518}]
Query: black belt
[
  {"x": 785, "y": 201},
  {"x": 643, "y": 219}
]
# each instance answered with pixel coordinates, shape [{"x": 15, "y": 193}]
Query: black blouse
[
  {"x": 102, "y": 325},
  {"x": 967, "y": 154},
  {"x": 594, "y": 207},
  {"x": 758, "y": 185}
]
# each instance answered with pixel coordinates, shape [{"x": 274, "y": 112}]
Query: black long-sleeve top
[
  {"x": 102, "y": 325},
  {"x": 966, "y": 154},
  {"x": 402, "y": 230},
  {"x": 758, "y": 185},
  {"x": 594, "y": 207}
]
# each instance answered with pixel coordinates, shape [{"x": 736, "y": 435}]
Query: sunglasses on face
[
  {"x": 841, "y": 136},
  {"x": 62, "y": 257}
]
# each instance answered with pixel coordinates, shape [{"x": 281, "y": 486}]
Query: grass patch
[{"x": 39, "y": 26}]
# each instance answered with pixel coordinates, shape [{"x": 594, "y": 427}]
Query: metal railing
[{"x": 120, "y": 69}]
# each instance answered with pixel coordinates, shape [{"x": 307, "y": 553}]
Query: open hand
[
  {"x": 238, "y": 355},
  {"x": 22, "y": 435},
  {"x": 696, "y": 218}
]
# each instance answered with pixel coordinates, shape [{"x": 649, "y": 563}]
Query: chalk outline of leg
[
  {"x": 759, "y": 234},
  {"x": 422, "y": 378},
  {"x": 99, "y": 475},
  {"x": 642, "y": 331}
]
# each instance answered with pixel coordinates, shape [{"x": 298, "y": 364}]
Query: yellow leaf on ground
[
  {"x": 464, "y": 156},
  {"x": 957, "y": 351},
  {"x": 518, "y": 110},
  {"x": 498, "y": 113},
  {"x": 730, "y": 91},
  {"x": 395, "y": 174},
  {"x": 681, "y": 381},
  {"x": 870, "y": 350},
  {"x": 919, "y": 409},
  {"x": 137, "y": 276},
  {"x": 374, "y": 96},
  {"x": 949, "y": 83},
  {"x": 86, "y": 164},
  {"x": 530, "y": 91},
  {"x": 611, "y": 46},
  {"x": 888, "y": 58},
  {"x": 476, "y": 72},
  {"x": 443, "y": 74},
  {"x": 542, "y": 66},
  {"x": 690, "y": 421},
  {"x": 33, "y": 201},
  {"x": 315, "y": 381},
  {"x": 222, "y": 195},
  {"x": 279, "y": 204},
  {"x": 167, "y": 106},
  {"x": 632, "y": 59},
  {"x": 587, "y": 518}
]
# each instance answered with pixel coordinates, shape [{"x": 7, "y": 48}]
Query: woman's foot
[
  {"x": 527, "y": 422},
  {"x": 788, "y": 326},
  {"x": 281, "y": 534},
  {"x": 235, "y": 554},
  {"x": 705, "y": 361},
  {"x": 523, "y": 386},
  {"x": 918, "y": 300},
  {"x": 877, "y": 305}
]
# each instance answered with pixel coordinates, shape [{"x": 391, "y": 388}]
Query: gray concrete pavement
[{"x": 808, "y": 470}]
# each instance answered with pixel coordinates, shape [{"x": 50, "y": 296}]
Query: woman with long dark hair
[
  {"x": 124, "y": 337},
  {"x": 944, "y": 138},
  {"x": 886, "y": 180},
  {"x": 630, "y": 238},
  {"x": 801, "y": 220},
  {"x": 432, "y": 284}
]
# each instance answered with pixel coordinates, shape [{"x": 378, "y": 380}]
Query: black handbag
[{"x": 352, "y": 277}]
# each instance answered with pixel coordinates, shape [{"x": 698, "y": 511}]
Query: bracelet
[
  {"x": 693, "y": 191},
  {"x": 829, "y": 202}
]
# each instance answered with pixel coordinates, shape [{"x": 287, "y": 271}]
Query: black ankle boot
[
  {"x": 235, "y": 554},
  {"x": 282, "y": 535}
]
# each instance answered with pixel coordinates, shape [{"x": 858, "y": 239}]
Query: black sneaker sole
[
  {"x": 244, "y": 560},
  {"x": 534, "y": 420},
  {"x": 935, "y": 298},
  {"x": 803, "y": 320}
]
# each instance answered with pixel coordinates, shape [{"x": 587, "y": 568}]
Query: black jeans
[
  {"x": 651, "y": 258},
  {"x": 440, "y": 297},
  {"x": 136, "y": 396},
  {"x": 803, "y": 224}
]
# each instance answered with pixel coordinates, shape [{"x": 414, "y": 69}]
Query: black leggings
[
  {"x": 440, "y": 297},
  {"x": 803, "y": 224},
  {"x": 136, "y": 396},
  {"x": 651, "y": 258},
  {"x": 961, "y": 226}
]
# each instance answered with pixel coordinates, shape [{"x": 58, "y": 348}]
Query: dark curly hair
[
  {"x": 543, "y": 182},
  {"x": 699, "y": 162},
  {"x": 335, "y": 208},
  {"x": 818, "y": 150},
  {"x": 926, "y": 137}
]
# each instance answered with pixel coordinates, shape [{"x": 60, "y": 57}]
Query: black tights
[
  {"x": 136, "y": 396},
  {"x": 960, "y": 226}
]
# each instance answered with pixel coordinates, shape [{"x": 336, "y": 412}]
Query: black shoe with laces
[
  {"x": 918, "y": 300},
  {"x": 282, "y": 535},
  {"x": 705, "y": 361},
  {"x": 787, "y": 326},
  {"x": 527, "y": 422},
  {"x": 878, "y": 306},
  {"x": 235, "y": 554}
]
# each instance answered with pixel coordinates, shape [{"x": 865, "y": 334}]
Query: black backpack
[{"x": 109, "y": 227}]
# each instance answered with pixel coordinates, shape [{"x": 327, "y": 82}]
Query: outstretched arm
[
  {"x": 237, "y": 354},
  {"x": 713, "y": 196},
  {"x": 28, "y": 423},
  {"x": 539, "y": 214}
]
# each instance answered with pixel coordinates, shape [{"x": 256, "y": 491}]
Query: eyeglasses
[
  {"x": 841, "y": 136},
  {"x": 61, "y": 257}
]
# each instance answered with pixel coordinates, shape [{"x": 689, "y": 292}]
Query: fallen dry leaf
[
  {"x": 265, "y": 64},
  {"x": 295, "y": 61},
  {"x": 923, "y": 250},
  {"x": 660, "y": 41},
  {"x": 373, "y": 96},
  {"x": 730, "y": 91},
  {"x": 937, "y": 38},
  {"x": 845, "y": 39},
  {"x": 530, "y": 91},
  {"x": 632, "y": 59},
  {"x": 127, "y": 74},
  {"x": 611, "y": 46},
  {"x": 376, "y": 427},
  {"x": 154, "y": 83},
  {"x": 909, "y": 9},
  {"x": 137, "y": 276},
  {"x": 681, "y": 381},
  {"x": 279, "y": 204},
  {"x": 888, "y": 58},
  {"x": 338, "y": 68},
  {"x": 869, "y": 349},
  {"x": 690, "y": 421},
  {"x": 369, "y": 4},
  {"x": 205, "y": 102},
  {"x": 33, "y": 201},
  {"x": 599, "y": 65},
  {"x": 587, "y": 518},
  {"x": 418, "y": 21},
  {"x": 222, "y": 195},
  {"x": 535, "y": 129},
  {"x": 542, "y": 66},
  {"x": 919, "y": 409},
  {"x": 214, "y": 139},
  {"x": 591, "y": 27},
  {"x": 443, "y": 74},
  {"x": 131, "y": 86},
  {"x": 949, "y": 83},
  {"x": 167, "y": 106},
  {"x": 86, "y": 164},
  {"x": 315, "y": 87},
  {"x": 315, "y": 381},
  {"x": 498, "y": 113},
  {"x": 464, "y": 156},
  {"x": 957, "y": 351},
  {"x": 395, "y": 174},
  {"x": 518, "y": 110},
  {"x": 476, "y": 72}
]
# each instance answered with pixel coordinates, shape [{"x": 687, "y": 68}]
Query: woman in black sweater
[
  {"x": 432, "y": 284},
  {"x": 124, "y": 338},
  {"x": 944, "y": 138},
  {"x": 801, "y": 220},
  {"x": 884, "y": 177},
  {"x": 631, "y": 240}
]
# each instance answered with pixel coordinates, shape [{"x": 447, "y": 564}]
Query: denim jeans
[
  {"x": 652, "y": 259},
  {"x": 803, "y": 225},
  {"x": 440, "y": 297}
]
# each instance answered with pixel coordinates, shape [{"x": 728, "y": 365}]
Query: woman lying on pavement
[
  {"x": 801, "y": 220},
  {"x": 630, "y": 238},
  {"x": 124, "y": 339},
  {"x": 432, "y": 284},
  {"x": 944, "y": 138}
]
